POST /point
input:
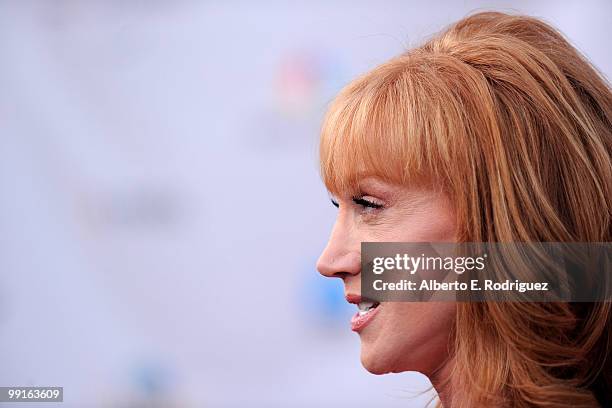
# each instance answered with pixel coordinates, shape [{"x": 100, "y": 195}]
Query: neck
[{"x": 442, "y": 382}]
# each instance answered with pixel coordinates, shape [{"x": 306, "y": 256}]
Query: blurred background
[{"x": 160, "y": 205}]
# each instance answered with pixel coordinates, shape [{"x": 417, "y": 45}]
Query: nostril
[{"x": 342, "y": 275}]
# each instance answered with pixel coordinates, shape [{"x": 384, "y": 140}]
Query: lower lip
[{"x": 358, "y": 323}]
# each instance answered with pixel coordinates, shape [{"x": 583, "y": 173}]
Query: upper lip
[{"x": 355, "y": 298}]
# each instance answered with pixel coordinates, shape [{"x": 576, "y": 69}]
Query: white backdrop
[{"x": 160, "y": 207}]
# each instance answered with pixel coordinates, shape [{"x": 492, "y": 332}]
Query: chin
[
  {"x": 388, "y": 359},
  {"x": 378, "y": 362},
  {"x": 374, "y": 366}
]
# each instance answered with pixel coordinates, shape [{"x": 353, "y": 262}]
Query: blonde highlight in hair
[{"x": 515, "y": 124}]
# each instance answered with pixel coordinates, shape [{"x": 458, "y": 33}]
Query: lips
[{"x": 367, "y": 311}]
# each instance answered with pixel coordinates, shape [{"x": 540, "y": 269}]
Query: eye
[
  {"x": 367, "y": 203},
  {"x": 335, "y": 203}
]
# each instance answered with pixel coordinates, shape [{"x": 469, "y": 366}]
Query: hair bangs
[{"x": 382, "y": 125}]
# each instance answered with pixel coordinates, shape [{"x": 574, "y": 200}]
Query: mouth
[{"x": 366, "y": 313}]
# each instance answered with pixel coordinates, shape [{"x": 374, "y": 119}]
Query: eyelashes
[
  {"x": 360, "y": 201},
  {"x": 366, "y": 203}
]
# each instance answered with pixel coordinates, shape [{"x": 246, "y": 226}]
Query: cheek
[
  {"x": 432, "y": 219},
  {"x": 435, "y": 223},
  {"x": 422, "y": 322},
  {"x": 411, "y": 337}
]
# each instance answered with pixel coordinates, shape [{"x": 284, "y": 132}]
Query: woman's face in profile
[{"x": 395, "y": 336}]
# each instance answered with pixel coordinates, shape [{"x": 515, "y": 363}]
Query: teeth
[{"x": 364, "y": 307}]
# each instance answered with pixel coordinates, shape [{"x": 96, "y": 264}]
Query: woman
[{"x": 495, "y": 130}]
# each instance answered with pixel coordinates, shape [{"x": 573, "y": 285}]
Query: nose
[{"x": 342, "y": 255}]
